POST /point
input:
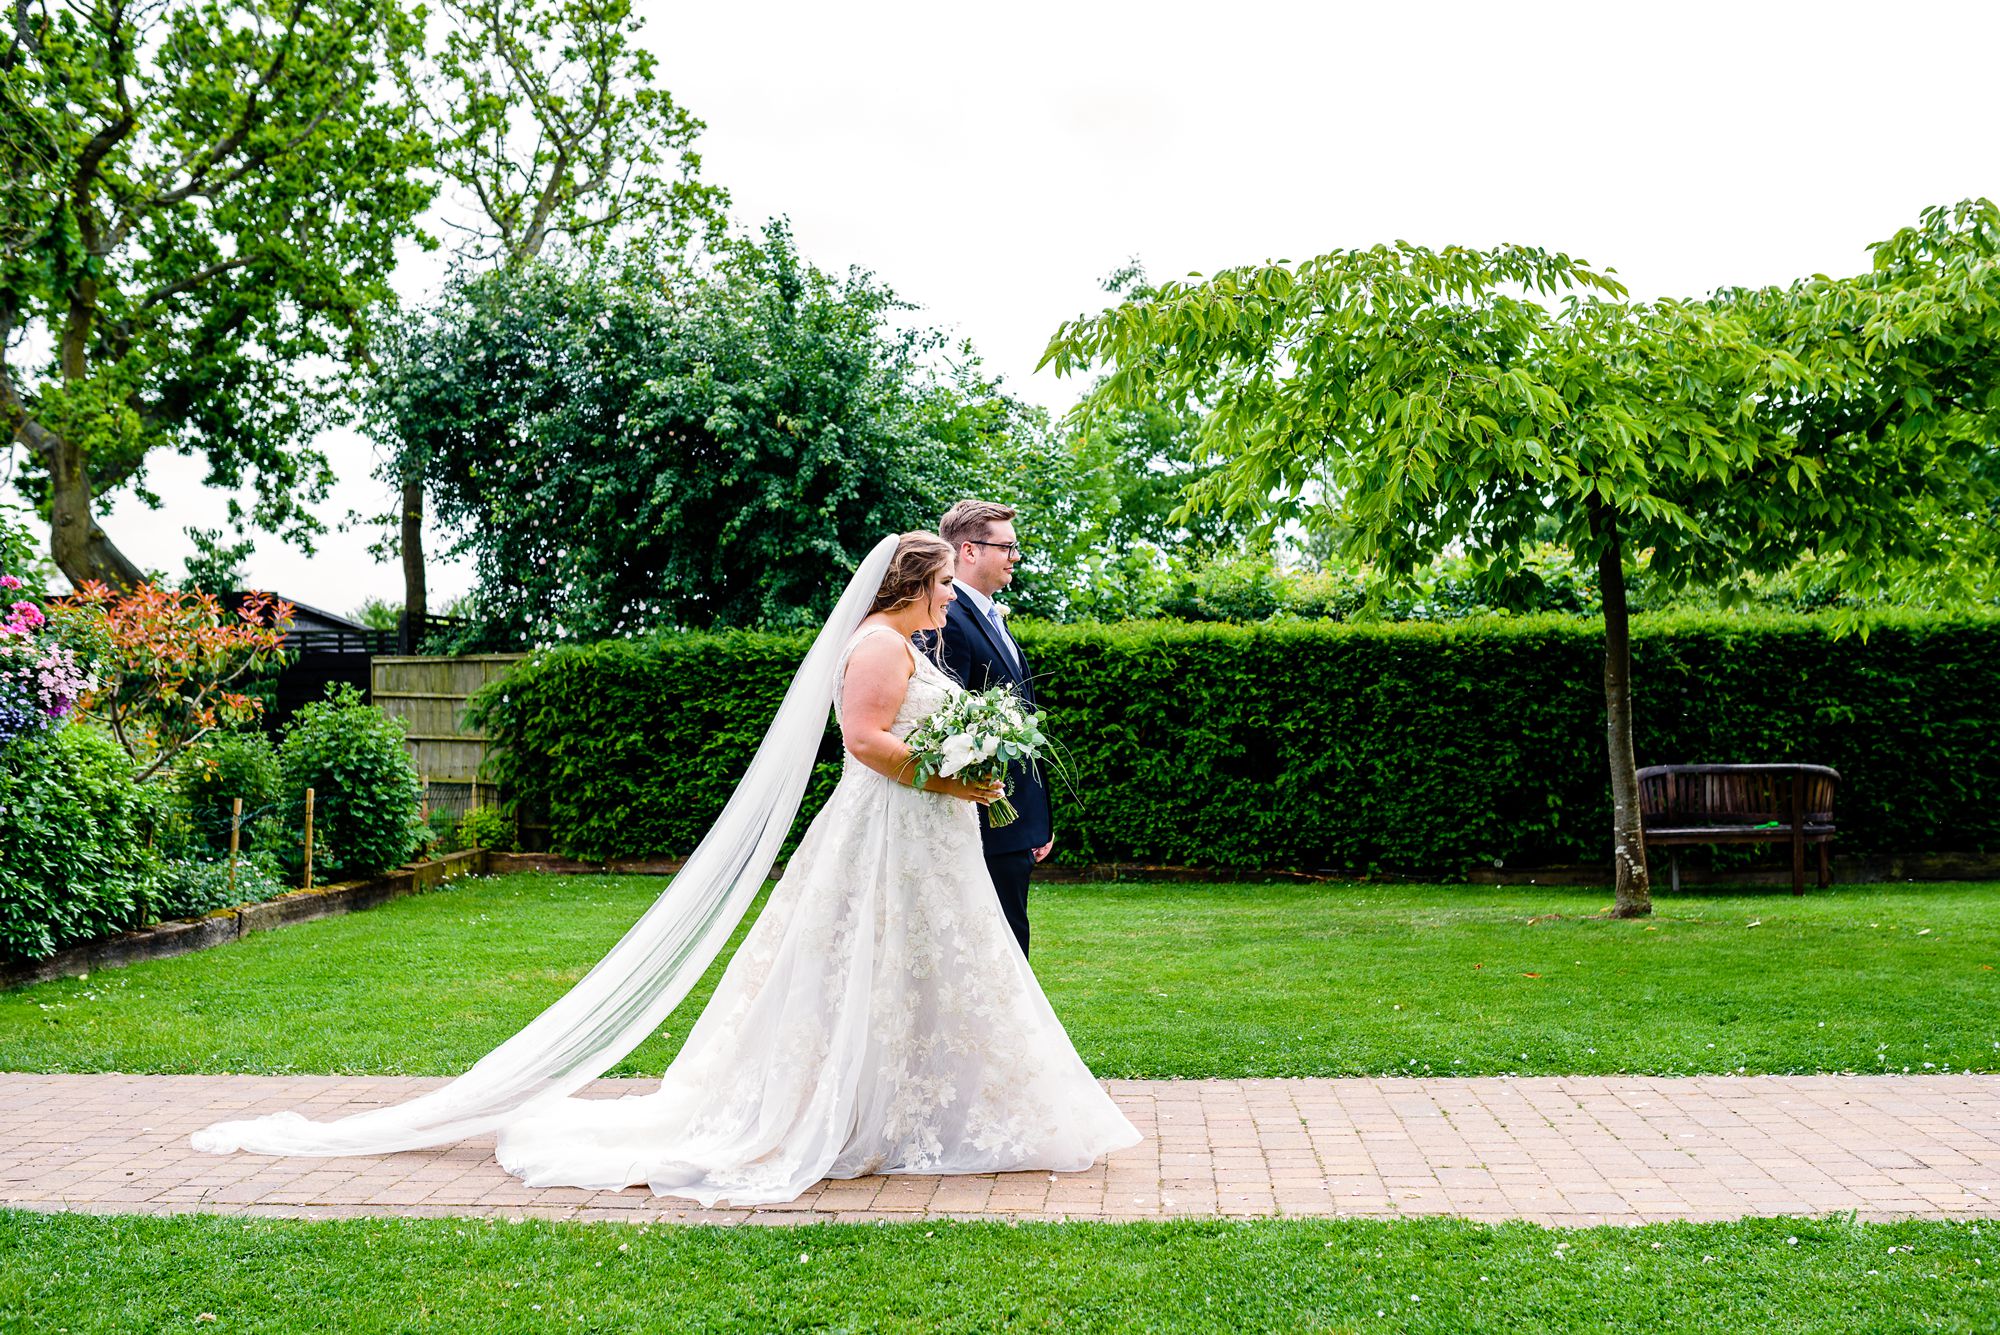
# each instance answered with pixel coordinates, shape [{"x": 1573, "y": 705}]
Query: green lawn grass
[
  {"x": 1152, "y": 980},
  {"x": 133, "y": 1273}
]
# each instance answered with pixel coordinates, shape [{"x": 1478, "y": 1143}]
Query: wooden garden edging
[{"x": 183, "y": 936}]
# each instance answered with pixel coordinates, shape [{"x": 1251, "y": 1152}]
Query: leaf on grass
[{"x": 1531, "y": 975}]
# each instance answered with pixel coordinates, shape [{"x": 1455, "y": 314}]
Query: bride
[{"x": 878, "y": 1018}]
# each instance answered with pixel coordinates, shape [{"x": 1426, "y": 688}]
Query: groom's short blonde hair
[{"x": 971, "y": 521}]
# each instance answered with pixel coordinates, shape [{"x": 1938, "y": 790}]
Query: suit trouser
[{"x": 1010, "y": 872}]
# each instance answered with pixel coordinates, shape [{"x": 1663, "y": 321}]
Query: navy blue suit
[{"x": 974, "y": 654}]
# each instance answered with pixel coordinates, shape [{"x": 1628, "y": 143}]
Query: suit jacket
[{"x": 973, "y": 653}]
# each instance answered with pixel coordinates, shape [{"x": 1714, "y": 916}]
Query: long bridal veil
[{"x": 634, "y": 987}]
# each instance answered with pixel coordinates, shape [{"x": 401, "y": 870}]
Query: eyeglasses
[{"x": 1012, "y": 548}]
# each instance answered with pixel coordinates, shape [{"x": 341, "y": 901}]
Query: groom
[{"x": 980, "y": 653}]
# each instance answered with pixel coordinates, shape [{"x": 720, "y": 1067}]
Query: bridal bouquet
[{"x": 975, "y": 736}]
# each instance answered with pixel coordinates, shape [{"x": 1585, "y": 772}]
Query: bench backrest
[{"x": 1735, "y": 794}]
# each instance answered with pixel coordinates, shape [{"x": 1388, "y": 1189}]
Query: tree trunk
[
  {"x": 79, "y": 547},
  {"x": 1633, "y": 896},
  {"x": 415, "y": 592}
]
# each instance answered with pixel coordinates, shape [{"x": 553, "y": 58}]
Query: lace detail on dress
[{"x": 878, "y": 1018}]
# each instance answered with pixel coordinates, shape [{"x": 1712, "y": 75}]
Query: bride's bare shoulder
[{"x": 880, "y": 650}]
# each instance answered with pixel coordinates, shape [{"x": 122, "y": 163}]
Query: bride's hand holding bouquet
[{"x": 973, "y": 738}]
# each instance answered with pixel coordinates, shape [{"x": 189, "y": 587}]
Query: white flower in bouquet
[
  {"x": 976, "y": 736},
  {"x": 956, "y": 752}
]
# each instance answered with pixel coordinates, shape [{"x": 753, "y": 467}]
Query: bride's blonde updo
[{"x": 919, "y": 556}]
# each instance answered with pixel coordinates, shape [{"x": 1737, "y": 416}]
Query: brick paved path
[{"x": 1560, "y": 1150}]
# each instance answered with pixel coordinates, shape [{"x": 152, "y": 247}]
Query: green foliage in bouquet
[{"x": 975, "y": 736}]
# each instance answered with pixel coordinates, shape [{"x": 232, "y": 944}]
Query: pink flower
[{"x": 9, "y": 582}]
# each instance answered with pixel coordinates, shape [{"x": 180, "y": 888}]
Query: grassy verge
[
  {"x": 1152, "y": 980},
  {"x": 123, "y": 1273}
]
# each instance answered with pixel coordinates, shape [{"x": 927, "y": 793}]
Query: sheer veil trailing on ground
[{"x": 634, "y": 987}]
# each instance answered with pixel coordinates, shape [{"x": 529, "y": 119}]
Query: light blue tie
[{"x": 1000, "y": 629}]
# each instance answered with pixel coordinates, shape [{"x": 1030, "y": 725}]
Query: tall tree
[
  {"x": 201, "y": 203},
  {"x": 1403, "y": 401},
  {"x": 550, "y": 127},
  {"x": 622, "y": 449}
]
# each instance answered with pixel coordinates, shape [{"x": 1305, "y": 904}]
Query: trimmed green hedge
[{"x": 1410, "y": 748}]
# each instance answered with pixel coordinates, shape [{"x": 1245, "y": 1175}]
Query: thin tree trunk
[
  {"x": 416, "y": 607},
  {"x": 1633, "y": 895}
]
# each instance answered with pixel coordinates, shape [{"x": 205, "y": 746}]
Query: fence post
[
  {"x": 309, "y": 839},
  {"x": 235, "y": 832},
  {"x": 425, "y": 813}
]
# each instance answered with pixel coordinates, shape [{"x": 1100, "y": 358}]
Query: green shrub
[
  {"x": 74, "y": 864},
  {"x": 367, "y": 792},
  {"x": 188, "y": 889},
  {"x": 215, "y": 771},
  {"x": 1250, "y": 587},
  {"x": 486, "y": 827},
  {"x": 440, "y": 834},
  {"x": 1420, "y": 749},
  {"x": 1244, "y": 588}
]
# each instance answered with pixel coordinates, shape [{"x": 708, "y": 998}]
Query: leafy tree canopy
[
  {"x": 620, "y": 447},
  {"x": 198, "y": 207},
  {"x": 550, "y": 124},
  {"x": 1412, "y": 401},
  {"x": 1407, "y": 402}
]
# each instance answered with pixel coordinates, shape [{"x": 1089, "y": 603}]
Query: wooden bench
[{"x": 1740, "y": 804}]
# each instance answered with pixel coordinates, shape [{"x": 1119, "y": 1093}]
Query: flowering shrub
[
  {"x": 40, "y": 677},
  {"x": 168, "y": 659}
]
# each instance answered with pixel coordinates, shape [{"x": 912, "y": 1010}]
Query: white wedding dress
[{"x": 878, "y": 1018}]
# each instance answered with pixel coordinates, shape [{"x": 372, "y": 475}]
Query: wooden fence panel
[{"x": 429, "y": 695}]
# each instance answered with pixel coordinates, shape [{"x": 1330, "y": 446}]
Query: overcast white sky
[{"x": 994, "y": 162}]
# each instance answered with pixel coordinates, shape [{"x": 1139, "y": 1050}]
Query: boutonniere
[{"x": 1002, "y": 610}]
